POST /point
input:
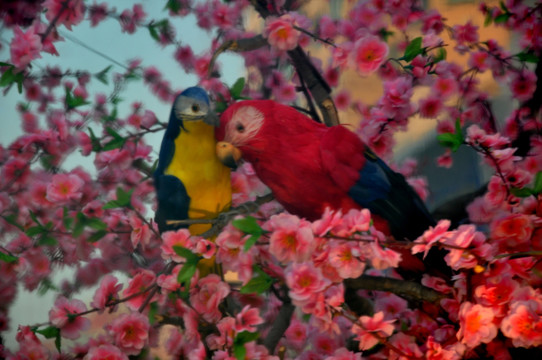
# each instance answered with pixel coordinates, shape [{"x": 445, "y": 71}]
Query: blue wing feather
[{"x": 387, "y": 194}]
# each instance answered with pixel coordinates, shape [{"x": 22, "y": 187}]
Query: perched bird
[
  {"x": 190, "y": 180},
  {"x": 309, "y": 167}
]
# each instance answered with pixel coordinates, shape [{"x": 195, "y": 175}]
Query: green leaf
[
  {"x": 413, "y": 49},
  {"x": 8, "y": 258},
  {"x": 66, "y": 219},
  {"x": 385, "y": 34},
  {"x": 488, "y": 20},
  {"x": 49, "y": 332},
  {"x": 239, "y": 350},
  {"x": 12, "y": 219},
  {"x": 259, "y": 283},
  {"x": 441, "y": 55},
  {"x": 538, "y": 183},
  {"x": 123, "y": 199},
  {"x": 73, "y": 102},
  {"x": 452, "y": 140},
  {"x": 153, "y": 32},
  {"x": 220, "y": 106},
  {"x": 35, "y": 230},
  {"x": 153, "y": 310},
  {"x": 237, "y": 88},
  {"x": 502, "y": 18},
  {"x": 113, "y": 115},
  {"x": 156, "y": 27},
  {"x": 97, "y": 236},
  {"x": 449, "y": 140},
  {"x": 8, "y": 77},
  {"x": 102, "y": 75},
  {"x": 96, "y": 224},
  {"x": 189, "y": 268},
  {"x": 173, "y": 5},
  {"x": 250, "y": 242},
  {"x": 34, "y": 217},
  {"x": 248, "y": 225},
  {"x": 527, "y": 57},
  {"x": 117, "y": 142},
  {"x": 96, "y": 146},
  {"x": 47, "y": 240},
  {"x": 522, "y": 192}
]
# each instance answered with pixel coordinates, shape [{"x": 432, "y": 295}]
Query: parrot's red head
[{"x": 253, "y": 129}]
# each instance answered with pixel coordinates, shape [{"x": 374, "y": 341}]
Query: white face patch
[
  {"x": 244, "y": 125},
  {"x": 189, "y": 108}
]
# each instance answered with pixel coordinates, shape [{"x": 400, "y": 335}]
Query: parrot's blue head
[{"x": 192, "y": 105}]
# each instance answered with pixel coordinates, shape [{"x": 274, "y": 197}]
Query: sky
[{"x": 108, "y": 39}]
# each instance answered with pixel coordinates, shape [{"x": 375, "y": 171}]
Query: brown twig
[{"x": 406, "y": 289}]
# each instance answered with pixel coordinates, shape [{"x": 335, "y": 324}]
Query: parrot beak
[{"x": 228, "y": 154}]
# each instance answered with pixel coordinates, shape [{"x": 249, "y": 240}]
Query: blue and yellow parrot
[{"x": 190, "y": 180}]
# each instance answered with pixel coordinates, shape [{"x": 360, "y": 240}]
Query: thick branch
[
  {"x": 280, "y": 325},
  {"x": 406, "y": 289}
]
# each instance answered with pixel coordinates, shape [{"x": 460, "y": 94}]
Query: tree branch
[
  {"x": 281, "y": 323},
  {"x": 406, "y": 289}
]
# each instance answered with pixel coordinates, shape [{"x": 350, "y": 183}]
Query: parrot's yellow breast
[{"x": 206, "y": 179}]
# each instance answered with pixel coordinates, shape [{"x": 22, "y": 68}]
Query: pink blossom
[
  {"x": 97, "y": 13},
  {"x": 341, "y": 54},
  {"x": 430, "y": 237},
  {"x": 248, "y": 319},
  {"x": 370, "y": 330},
  {"x": 431, "y": 106},
  {"x": 445, "y": 160},
  {"x": 65, "y": 13},
  {"x": 523, "y": 324},
  {"x": 141, "y": 281},
  {"x": 141, "y": 233},
  {"x": 523, "y": 85},
  {"x": 105, "y": 351},
  {"x": 396, "y": 99},
  {"x": 296, "y": 334},
  {"x": 327, "y": 27},
  {"x": 383, "y": 258},
  {"x": 291, "y": 239},
  {"x": 342, "y": 100},
  {"x": 432, "y": 21},
  {"x": 444, "y": 87},
  {"x": 62, "y": 315},
  {"x": 465, "y": 237},
  {"x": 369, "y": 53},
  {"x": 280, "y": 32},
  {"x": 476, "y": 325},
  {"x": 130, "y": 332},
  {"x": 465, "y": 35},
  {"x": 170, "y": 239},
  {"x": 304, "y": 281},
  {"x": 107, "y": 292},
  {"x": 207, "y": 295},
  {"x": 512, "y": 231},
  {"x": 345, "y": 257},
  {"x": 65, "y": 188},
  {"x": 24, "y": 47}
]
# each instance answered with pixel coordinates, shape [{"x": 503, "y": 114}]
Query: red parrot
[{"x": 309, "y": 167}]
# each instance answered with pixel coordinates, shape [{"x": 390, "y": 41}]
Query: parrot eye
[
  {"x": 240, "y": 128},
  {"x": 195, "y": 108}
]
